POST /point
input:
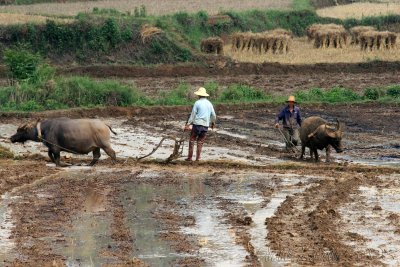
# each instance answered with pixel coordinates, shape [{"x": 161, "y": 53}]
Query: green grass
[
  {"x": 72, "y": 92},
  {"x": 5, "y": 153},
  {"x": 302, "y": 5},
  {"x": 69, "y": 92},
  {"x": 104, "y": 32}
]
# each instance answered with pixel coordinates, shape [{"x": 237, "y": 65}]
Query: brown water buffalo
[
  {"x": 316, "y": 133},
  {"x": 79, "y": 136}
]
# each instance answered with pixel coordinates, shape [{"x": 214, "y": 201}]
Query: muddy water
[
  {"x": 89, "y": 235},
  {"x": 133, "y": 142},
  {"x": 375, "y": 218},
  {"x": 144, "y": 228}
]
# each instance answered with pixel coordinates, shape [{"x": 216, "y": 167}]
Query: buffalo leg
[
  {"x": 111, "y": 153},
  {"x": 57, "y": 159},
  {"x": 51, "y": 156},
  {"x": 96, "y": 156},
  {"x": 316, "y": 154},
  {"x": 303, "y": 151},
  {"x": 328, "y": 153}
]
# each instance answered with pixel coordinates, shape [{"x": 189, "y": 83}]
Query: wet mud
[{"x": 248, "y": 203}]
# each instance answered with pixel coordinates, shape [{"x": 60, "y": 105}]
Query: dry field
[
  {"x": 302, "y": 52},
  {"x": 359, "y": 10},
  {"x": 8, "y": 18},
  {"x": 153, "y": 7}
]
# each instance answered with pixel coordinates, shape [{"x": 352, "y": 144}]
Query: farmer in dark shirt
[{"x": 291, "y": 120}]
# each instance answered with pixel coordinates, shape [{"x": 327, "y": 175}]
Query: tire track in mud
[{"x": 305, "y": 228}]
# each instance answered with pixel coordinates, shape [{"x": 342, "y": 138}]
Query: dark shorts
[
  {"x": 199, "y": 130},
  {"x": 198, "y": 133}
]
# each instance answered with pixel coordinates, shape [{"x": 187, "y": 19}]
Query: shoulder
[{"x": 296, "y": 108}]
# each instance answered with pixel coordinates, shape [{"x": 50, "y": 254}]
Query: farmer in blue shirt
[
  {"x": 291, "y": 120},
  {"x": 202, "y": 116}
]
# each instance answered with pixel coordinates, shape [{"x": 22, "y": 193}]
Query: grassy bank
[
  {"x": 109, "y": 36},
  {"x": 71, "y": 92}
]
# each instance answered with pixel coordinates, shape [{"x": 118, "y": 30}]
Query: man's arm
[
  {"x": 280, "y": 116},
  {"x": 192, "y": 115},
  {"x": 299, "y": 120},
  {"x": 213, "y": 117}
]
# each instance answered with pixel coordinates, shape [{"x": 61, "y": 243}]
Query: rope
[
  {"x": 40, "y": 137},
  {"x": 63, "y": 148}
]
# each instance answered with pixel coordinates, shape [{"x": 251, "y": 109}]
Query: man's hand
[
  {"x": 212, "y": 125},
  {"x": 187, "y": 128},
  {"x": 276, "y": 125}
]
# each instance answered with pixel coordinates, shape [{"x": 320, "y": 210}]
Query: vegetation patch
[{"x": 5, "y": 153}]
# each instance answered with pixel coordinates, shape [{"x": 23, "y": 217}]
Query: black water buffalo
[
  {"x": 79, "y": 136},
  {"x": 316, "y": 133}
]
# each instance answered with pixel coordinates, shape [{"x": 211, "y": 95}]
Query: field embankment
[{"x": 112, "y": 37}]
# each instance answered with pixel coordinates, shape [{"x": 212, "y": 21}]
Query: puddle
[
  {"x": 370, "y": 219},
  {"x": 6, "y": 225},
  {"x": 144, "y": 228},
  {"x": 86, "y": 240},
  {"x": 218, "y": 242},
  {"x": 260, "y": 212}
]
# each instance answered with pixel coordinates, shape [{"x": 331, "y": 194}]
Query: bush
[
  {"x": 373, "y": 93},
  {"x": 334, "y": 95},
  {"x": 212, "y": 89},
  {"x": 21, "y": 63},
  {"x": 183, "y": 19},
  {"x": 242, "y": 93},
  {"x": 181, "y": 95},
  {"x": 393, "y": 91},
  {"x": 111, "y": 32}
]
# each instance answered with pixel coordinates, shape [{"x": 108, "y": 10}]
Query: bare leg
[{"x": 96, "y": 156}]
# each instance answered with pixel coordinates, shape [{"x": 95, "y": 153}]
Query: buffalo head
[
  {"x": 335, "y": 135},
  {"x": 25, "y": 133}
]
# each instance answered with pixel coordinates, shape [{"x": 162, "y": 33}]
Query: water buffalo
[
  {"x": 79, "y": 136},
  {"x": 316, "y": 133}
]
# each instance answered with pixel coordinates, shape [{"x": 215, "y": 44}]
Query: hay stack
[
  {"x": 277, "y": 40},
  {"x": 314, "y": 28},
  {"x": 329, "y": 36},
  {"x": 356, "y": 31},
  {"x": 148, "y": 31},
  {"x": 212, "y": 45},
  {"x": 371, "y": 40}
]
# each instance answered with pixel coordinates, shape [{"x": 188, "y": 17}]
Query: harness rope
[{"x": 40, "y": 137}]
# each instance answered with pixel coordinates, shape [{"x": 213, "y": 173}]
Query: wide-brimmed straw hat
[
  {"x": 291, "y": 99},
  {"x": 201, "y": 92}
]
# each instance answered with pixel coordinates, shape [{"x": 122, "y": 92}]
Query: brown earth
[{"x": 305, "y": 227}]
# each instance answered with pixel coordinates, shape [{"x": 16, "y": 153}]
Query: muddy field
[{"x": 247, "y": 203}]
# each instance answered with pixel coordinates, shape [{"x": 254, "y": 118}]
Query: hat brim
[
  {"x": 201, "y": 94},
  {"x": 290, "y": 101}
]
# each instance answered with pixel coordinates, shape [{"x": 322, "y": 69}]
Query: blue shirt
[
  {"x": 202, "y": 113},
  {"x": 289, "y": 118}
]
